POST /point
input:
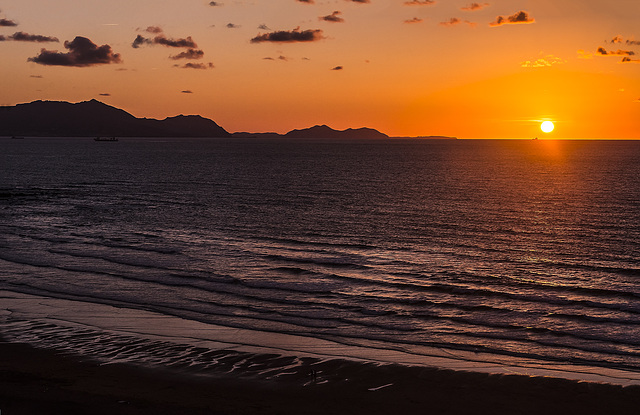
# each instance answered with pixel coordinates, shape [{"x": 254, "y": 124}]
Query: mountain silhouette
[{"x": 94, "y": 118}]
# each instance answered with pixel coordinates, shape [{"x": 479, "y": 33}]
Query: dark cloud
[
  {"x": 189, "y": 54},
  {"x": 633, "y": 42},
  {"x": 616, "y": 39},
  {"x": 333, "y": 17},
  {"x": 82, "y": 52},
  {"x": 215, "y": 3},
  {"x": 7, "y": 23},
  {"x": 337, "y": 68},
  {"x": 263, "y": 27},
  {"x": 26, "y": 37},
  {"x": 414, "y": 20},
  {"x": 35, "y": 76},
  {"x": 175, "y": 43},
  {"x": 192, "y": 65},
  {"x": 360, "y": 1},
  {"x": 521, "y": 17},
  {"x": 153, "y": 29},
  {"x": 284, "y": 36},
  {"x": 419, "y": 2},
  {"x": 105, "y": 95},
  {"x": 161, "y": 39},
  {"x": 603, "y": 52},
  {"x": 186, "y": 91},
  {"x": 306, "y": 1},
  {"x": 232, "y": 26},
  {"x": 474, "y": 6},
  {"x": 454, "y": 21},
  {"x": 2, "y": 38},
  {"x": 627, "y": 59}
]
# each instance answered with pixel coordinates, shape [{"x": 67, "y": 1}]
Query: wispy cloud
[
  {"x": 582, "y": 54},
  {"x": 187, "y": 91},
  {"x": 232, "y": 26},
  {"x": 419, "y": 2},
  {"x": 414, "y": 20},
  {"x": 454, "y": 21},
  {"x": 192, "y": 65},
  {"x": 359, "y": 1},
  {"x": 543, "y": 62},
  {"x": 161, "y": 39},
  {"x": 215, "y": 3},
  {"x": 306, "y": 1},
  {"x": 26, "y": 37},
  {"x": 520, "y": 17},
  {"x": 189, "y": 54},
  {"x": 333, "y": 17},
  {"x": 337, "y": 68},
  {"x": 82, "y": 52},
  {"x": 603, "y": 52},
  {"x": 627, "y": 59},
  {"x": 289, "y": 36},
  {"x": 474, "y": 6}
]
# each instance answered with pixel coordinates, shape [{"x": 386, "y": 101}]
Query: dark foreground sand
[{"x": 45, "y": 382}]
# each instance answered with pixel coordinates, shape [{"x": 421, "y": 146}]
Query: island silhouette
[{"x": 97, "y": 119}]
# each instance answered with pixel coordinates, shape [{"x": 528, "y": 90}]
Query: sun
[{"x": 547, "y": 126}]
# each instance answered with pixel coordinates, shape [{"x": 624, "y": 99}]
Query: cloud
[
  {"x": 232, "y": 26},
  {"x": 474, "y": 6},
  {"x": 215, "y": 3},
  {"x": 284, "y": 36},
  {"x": 161, "y": 39},
  {"x": 306, "y": 1},
  {"x": 186, "y": 91},
  {"x": 105, "y": 95},
  {"x": 584, "y": 55},
  {"x": 360, "y": 1},
  {"x": 7, "y": 23},
  {"x": 521, "y": 17},
  {"x": 616, "y": 39},
  {"x": 419, "y": 2},
  {"x": 627, "y": 59},
  {"x": 26, "y": 37},
  {"x": 632, "y": 42},
  {"x": 263, "y": 27},
  {"x": 82, "y": 52},
  {"x": 36, "y": 76},
  {"x": 414, "y": 20},
  {"x": 189, "y": 54},
  {"x": 191, "y": 65},
  {"x": 337, "y": 68},
  {"x": 2, "y": 38},
  {"x": 455, "y": 21},
  {"x": 544, "y": 62},
  {"x": 603, "y": 52},
  {"x": 333, "y": 17}
]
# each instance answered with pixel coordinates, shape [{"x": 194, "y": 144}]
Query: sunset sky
[{"x": 491, "y": 69}]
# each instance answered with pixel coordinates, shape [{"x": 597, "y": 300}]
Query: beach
[{"x": 36, "y": 381}]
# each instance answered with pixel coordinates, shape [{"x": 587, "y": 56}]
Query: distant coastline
[{"x": 97, "y": 119}]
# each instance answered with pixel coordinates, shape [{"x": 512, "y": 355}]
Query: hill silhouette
[{"x": 94, "y": 118}]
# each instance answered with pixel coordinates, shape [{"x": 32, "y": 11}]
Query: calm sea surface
[{"x": 522, "y": 249}]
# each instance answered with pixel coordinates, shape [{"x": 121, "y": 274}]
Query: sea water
[{"x": 502, "y": 251}]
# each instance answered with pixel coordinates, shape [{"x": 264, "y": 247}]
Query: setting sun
[{"x": 547, "y": 126}]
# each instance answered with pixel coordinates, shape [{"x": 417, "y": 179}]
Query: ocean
[{"x": 461, "y": 253}]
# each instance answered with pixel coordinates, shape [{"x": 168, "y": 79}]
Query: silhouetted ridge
[
  {"x": 94, "y": 118},
  {"x": 324, "y": 131}
]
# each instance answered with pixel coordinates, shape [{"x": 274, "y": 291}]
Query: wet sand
[{"x": 34, "y": 381}]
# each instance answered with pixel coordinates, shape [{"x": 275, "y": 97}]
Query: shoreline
[{"x": 47, "y": 382}]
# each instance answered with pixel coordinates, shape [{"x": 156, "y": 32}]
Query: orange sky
[{"x": 493, "y": 69}]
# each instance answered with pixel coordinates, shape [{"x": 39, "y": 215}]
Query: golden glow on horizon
[
  {"x": 395, "y": 83},
  {"x": 547, "y": 126}
]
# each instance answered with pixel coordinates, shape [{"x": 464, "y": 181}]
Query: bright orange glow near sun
[{"x": 547, "y": 126}]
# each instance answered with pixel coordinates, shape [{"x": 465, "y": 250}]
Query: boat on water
[{"x": 106, "y": 139}]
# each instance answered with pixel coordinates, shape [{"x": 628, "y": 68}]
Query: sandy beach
[{"x": 38, "y": 381}]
